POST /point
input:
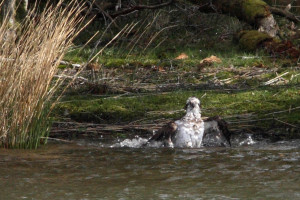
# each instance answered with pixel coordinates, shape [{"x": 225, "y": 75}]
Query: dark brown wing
[
  {"x": 165, "y": 133},
  {"x": 222, "y": 126}
]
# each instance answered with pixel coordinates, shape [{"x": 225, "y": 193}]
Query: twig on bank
[
  {"x": 164, "y": 112},
  {"x": 72, "y": 77},
  {"x": 56, "y": 139},
  {"x": 282, "y": 111},
  {"x": 292, "y": 125},
  {"x": 75, "y": 66},
  {"x": 104, "y": 128},
  {"x": 247, "y": 121},
  {"x": 275, "y": 79}
]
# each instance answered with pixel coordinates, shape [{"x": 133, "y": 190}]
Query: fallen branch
[{"x": 284, "y": 13}]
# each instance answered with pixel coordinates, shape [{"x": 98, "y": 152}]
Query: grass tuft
[{"x": 29, "y": 60}]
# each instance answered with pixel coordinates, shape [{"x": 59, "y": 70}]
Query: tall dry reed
[{"x": 29, "y": 59}]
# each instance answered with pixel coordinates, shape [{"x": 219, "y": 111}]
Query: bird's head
[{"x": 192, "y": 103}]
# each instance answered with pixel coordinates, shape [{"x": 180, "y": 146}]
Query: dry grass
[{"x": 29, "y": 58}]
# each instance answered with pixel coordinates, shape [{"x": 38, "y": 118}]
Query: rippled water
[{"x": 89, "y": 170}]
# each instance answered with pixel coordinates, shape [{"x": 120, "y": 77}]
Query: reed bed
[{"x": 29, "y": 59}]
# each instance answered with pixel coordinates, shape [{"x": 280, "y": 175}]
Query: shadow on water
[{"x": 94, "y": 170}]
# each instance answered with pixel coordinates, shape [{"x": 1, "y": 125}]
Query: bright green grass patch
[{"x": 112, "y": 57}]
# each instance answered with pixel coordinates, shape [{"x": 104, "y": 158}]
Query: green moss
[
  {"x": 250, "y": 40},
  {"x": 62, "y": 66},
  {"x": 115, "y": 62},
  {"x": 126, "y": 109},
  {"x": 225, "y": 74},
  {"x": 254, "y": 9}
]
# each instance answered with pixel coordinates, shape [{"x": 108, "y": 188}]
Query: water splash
[
  {"x": 248, "y": 141},
  {"x": 133, "y": 143},
  {"x": 140, "y": 142},
  {"x": 137, "y": 142}
]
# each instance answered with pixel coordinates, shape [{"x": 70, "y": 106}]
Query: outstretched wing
[
  {"x": 216, "y": 125},
  {"x": 165, "y": 133}
]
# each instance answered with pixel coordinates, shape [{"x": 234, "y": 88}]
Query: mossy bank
[{"x": 262, "y": 108}]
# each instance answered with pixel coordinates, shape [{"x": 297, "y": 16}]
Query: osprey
[{"x": 191, "y": 130}]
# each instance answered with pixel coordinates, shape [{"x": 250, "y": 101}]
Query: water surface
[{"x": 92, "y": 170}]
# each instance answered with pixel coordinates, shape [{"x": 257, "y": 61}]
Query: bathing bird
[
  {"x": 191, "y": 130},
  {"x": 216, "y": 132}
]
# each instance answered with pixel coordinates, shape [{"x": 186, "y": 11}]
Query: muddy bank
[{"x": 69, "y": 131}]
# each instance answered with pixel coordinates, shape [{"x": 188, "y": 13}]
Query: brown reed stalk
[{"x": 29, "y": 59}]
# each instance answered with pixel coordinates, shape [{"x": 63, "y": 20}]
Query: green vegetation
[
  {"x": 261, "y": 102},
  {"x": 250, "y": 40},
  {"x": 229, "y": 54},
  {"x": 149, "y": 84},
  {"x": 254, "y": 9},
  {"x": 140, "y": 76}
]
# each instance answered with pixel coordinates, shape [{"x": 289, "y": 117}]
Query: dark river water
[{"x": 89, "y": 170}]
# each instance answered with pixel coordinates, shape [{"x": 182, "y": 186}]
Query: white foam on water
[
  {"x": 133, "y": 143},
  {"x": 137, "y": 142},
  {"x": 248, "y": 141}
]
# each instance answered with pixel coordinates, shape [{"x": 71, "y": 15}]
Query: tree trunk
[{"x": 254, "y": 12}]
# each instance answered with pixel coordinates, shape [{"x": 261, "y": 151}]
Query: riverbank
[
  {"x": 251, "y": 92},
  {"x": 136, "y": 85}
]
